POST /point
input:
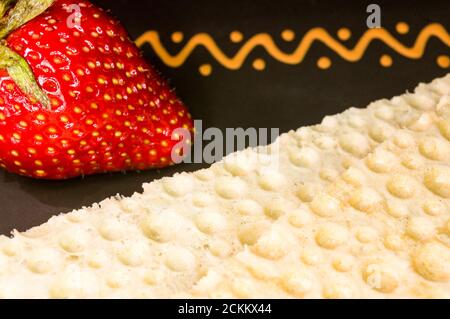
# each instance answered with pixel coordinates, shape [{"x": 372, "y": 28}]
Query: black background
[
  {"x": 282, "y": 96},
  {"x": 280, "y": 308}
]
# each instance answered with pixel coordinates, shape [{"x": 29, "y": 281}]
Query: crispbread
[
  {"x": 379, "y": 230},
  {"x": 186, "y": 235}
]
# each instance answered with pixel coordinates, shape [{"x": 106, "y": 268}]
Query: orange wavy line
[{"x": 316, "y": 34}]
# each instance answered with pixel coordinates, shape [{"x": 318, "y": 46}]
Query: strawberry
[{"x": 76, "y": 97}]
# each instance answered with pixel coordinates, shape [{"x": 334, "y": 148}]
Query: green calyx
[
  {"x": 5, "y": 5},
  {"x": 22, "y": 12},
  {"x": 21, "y": 73},
  {"x": 14, "y": 14}
]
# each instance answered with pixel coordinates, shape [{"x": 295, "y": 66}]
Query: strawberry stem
[
  {"x": 21, "y": 73},
  {"x": 17, "y": 67},
  {"x": 23, "y": 11},
  {"x": 5, "y": 5}
]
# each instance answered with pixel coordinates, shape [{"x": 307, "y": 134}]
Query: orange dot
[
  {"x": 324, "y": 63},
  {"x": 177, "y": 37},
  {"x": 386, "y": 60},
  {"x": 205, "y": 69},
  {"x": 344, "y": 34},
  {"x": 236, "y": 36},
  {"x": 259, "y": 64},
  {"x": 443, "y": 61},
  {"x": 288, "y": 35},
  {"x": 402, "y": 27}
]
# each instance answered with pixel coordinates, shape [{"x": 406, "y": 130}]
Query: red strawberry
[{"x": 108, "y": 109}]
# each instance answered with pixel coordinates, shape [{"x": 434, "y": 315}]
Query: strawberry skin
[{"x": 110, "y": 110}]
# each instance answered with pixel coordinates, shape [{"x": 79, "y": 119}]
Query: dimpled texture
[
  {"x": 110, "y": 110},
  {"x": 311, "y": 216}
]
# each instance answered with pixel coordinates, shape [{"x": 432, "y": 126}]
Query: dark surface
[{"x": 283, "y": 96}]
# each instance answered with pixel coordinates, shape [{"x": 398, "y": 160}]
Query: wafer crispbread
[
  {"x": 186, "y": 235},
  {"x": 379, "y": 230}
]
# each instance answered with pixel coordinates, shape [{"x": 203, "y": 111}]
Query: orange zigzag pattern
[{"x": 297, "y": 56}]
